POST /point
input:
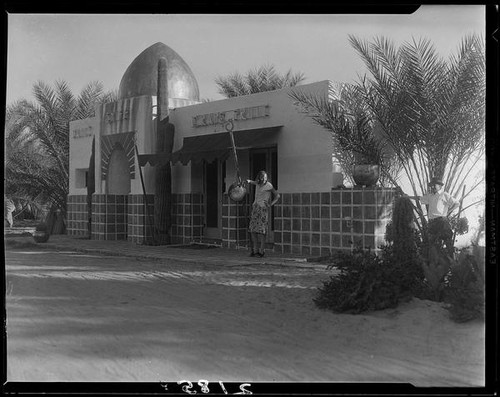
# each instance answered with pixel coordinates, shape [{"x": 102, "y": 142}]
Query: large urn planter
[
  {"x": 366, "y": 174},
  {"x": 41, "y": 234}
]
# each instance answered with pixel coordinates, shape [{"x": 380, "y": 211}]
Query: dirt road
[{"x": 76, "y": 317}]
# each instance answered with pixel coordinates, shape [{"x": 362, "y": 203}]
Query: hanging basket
[
  {"x": 237, "y": 191},
  {"x": 366, "y": 174}
]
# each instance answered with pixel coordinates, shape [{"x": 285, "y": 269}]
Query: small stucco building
[{"x": 314, "y": 216}]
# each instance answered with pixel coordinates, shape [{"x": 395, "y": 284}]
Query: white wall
[
  {"x": 304, "y": 149},
  {"x": 80, "y": 148},
  {"x": 128, "y": 115}
]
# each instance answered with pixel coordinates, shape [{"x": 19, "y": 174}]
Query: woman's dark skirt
[{"x": 259, "y": 219}]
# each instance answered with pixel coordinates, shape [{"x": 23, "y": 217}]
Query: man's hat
[{"x": 436, "y": 181}]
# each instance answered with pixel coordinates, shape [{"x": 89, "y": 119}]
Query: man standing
[{"x": 440, "y": 204}]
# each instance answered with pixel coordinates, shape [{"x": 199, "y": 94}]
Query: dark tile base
[
  {"x": 319, "y": 224},
  {"x": 77, "y": 222},
  {"x": 310, "y": 224}
]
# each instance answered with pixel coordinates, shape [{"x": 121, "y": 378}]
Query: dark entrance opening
[
  {"x": 213, "y": 181},
  {"x": 265, "y": 159},
  {"x": 212, "y": 194}
]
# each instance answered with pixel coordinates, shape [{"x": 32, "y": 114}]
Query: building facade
[{"x": 313, "y": 217}]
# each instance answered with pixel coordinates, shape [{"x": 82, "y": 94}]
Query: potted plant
[
  {"x": 357, "y": 143},
  {"x": 357, "y": 147},
  {"x": 41, "y": 233},
  {"x": 366, "y": 167}
]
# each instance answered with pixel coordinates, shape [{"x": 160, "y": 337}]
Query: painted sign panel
[{"x": 253, "y": 112}]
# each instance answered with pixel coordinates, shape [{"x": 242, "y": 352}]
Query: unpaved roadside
[{"x": 81, "y": 317}]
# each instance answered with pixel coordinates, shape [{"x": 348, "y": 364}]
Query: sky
[{"x": 80, "y": 48}]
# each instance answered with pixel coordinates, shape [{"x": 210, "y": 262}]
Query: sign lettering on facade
[
  {"x": 118, "y": 116},
  {"x": 114, "y": 117},
  {"x": 82, "y": 132},
  {"x": 253, "y": 112}
]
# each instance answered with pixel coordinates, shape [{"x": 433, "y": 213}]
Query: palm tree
[
  {"x": 37, "y": 141},
  {"x": 354, "y": 129},
  {"x": 431, "y": 111},
  {"x": 264, "y": 78}
]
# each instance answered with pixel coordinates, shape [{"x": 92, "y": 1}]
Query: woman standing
[{"x": 265, "y": 197}]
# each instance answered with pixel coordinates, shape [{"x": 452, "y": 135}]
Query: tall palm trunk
[{"x": 164, "y": 145}]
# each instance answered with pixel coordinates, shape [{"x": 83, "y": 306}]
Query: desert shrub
[
  {"x": 374, "y": 282},
  {"x": 464, "y": 290},
  {"x": 404, "y": 245},
  {"x": 401, "y": 230},
  {"x": 366, "y": 282},
  {"x": 409, "y": 275},
  {"x": 406, "y": 267},
  {"x": 436, "y": 265},
  {"x": 438, "y": 261},
  {"x": 459, "y": 225}
]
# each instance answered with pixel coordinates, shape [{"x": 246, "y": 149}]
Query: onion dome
[{"x": 141, "y": 76}]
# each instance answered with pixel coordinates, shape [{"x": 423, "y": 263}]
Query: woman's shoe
[{"x": 260, "y": 254}]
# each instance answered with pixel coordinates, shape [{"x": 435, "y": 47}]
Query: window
[{"x": 81, "y": 178}]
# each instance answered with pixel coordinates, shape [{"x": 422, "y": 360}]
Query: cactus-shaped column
[{"x": 164, "y": 145}]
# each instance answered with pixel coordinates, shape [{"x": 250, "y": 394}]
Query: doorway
[
  {"x": 118, "y": 178},
  {"x": 213, "y": 188},
  {"x": 265, "y": 159}
]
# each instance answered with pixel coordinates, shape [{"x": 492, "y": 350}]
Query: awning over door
[
  {"x": 211, "y": 146},
  {"x": 154, "y": 159},
  {"x": 204, "y": 147}
]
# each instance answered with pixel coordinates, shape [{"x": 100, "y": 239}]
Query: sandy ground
[{"x": 76, "y": 317}]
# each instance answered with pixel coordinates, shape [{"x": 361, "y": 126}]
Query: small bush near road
[
  {"x": 405, "y": 268},
  {"x": 465, "y": 292},
  {"x": 366, "y": 282}
]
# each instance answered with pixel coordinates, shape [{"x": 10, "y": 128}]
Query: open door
[{"x": 213, "y": 188}]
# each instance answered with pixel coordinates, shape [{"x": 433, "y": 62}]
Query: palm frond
[
  {"x": 346, "y": 116},
  {"x": 45, "y": 96},
  {"x": 88, "y": 99},
  {"x": 109, "y": 96},
  {"x": 429, "y": 111},
  {"x": 232, "y": 85},
  {"x": 37, "y": 140},
  {"x": 261, "y": 79}
]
